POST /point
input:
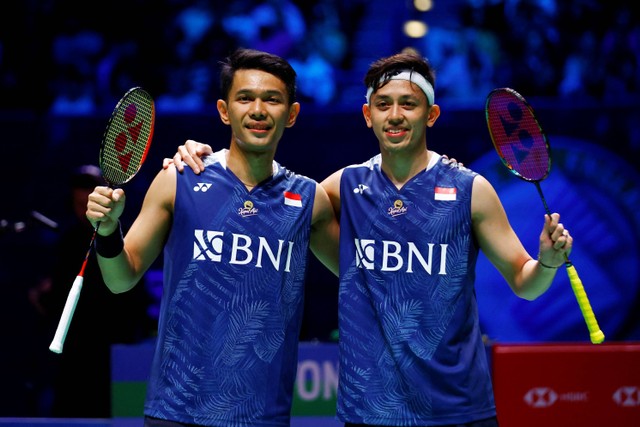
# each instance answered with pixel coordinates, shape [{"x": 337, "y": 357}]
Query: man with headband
[
  {"x": 411, "y": 349},
  {"x": 411, "y": 226}
]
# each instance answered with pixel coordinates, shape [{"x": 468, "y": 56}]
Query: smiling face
[
  {"x": 257, "y": 110},
  {"x": 398, "y": 114}
]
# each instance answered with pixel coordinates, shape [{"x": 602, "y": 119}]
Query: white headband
[{"x": 412, "y": 77}]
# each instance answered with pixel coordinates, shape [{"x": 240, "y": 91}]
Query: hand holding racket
[
  {"x": 124, "y": 148},
  {"x": 524, "y": 149}
]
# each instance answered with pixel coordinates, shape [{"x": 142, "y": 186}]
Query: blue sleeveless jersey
[
  {"x": 232, "y": 302},
  {"x": 411, "y": 350}
]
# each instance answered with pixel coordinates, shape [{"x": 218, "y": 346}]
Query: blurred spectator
[
  {"x": 187, "y": 89},
  {"x": 582, "y": 71},
  {"x": 76, "y": 49},
  {"x": 198, "y": 41},
  {"x": 320, "y": 55},
  {"x": 532, "y": 44},
  {"x": 274, "y": 26},
  {"x": 74, "y": 92},
  {"x": 81, "y": 380},
  {"x": 115, "y": 72},
  {"x": 621, "y": 53}
]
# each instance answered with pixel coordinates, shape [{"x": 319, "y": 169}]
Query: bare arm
[
  {"x": 526, "y": 276},
  {"x": 144, "y": 240},
  {"x": 332, "y": 186},
  {"x": 325, "y": 231}
]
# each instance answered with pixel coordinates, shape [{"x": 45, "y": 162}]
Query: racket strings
[
  {"x": 517, "y": 136},
  {"x": 126, "y": 139}
]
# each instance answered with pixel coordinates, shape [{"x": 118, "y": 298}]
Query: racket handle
[
  {"x": 67, "y": 314},
  {"x": 596, "y": 335}
]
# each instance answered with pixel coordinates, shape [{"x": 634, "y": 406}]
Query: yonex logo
[
  {"x": 360, "y": 189},
  {"x": 132, "y": 130},
  {"x": 627, "y": 396},
  {"x": 202, "y": 186},
  {"x": 540, "y": 397}
]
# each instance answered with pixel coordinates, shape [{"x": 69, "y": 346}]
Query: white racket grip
[{"x": 67, "y": 314}]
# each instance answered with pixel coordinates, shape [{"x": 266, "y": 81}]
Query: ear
[
  {"x": 294, "y": 110},
  {"x": 366, "y": 112},
  {"x": 434, "y": 113},
  {"x": 223, "y": 111}
]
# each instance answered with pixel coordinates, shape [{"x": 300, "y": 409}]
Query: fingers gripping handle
[
  {"x": 597, "y": 336},
  {"x": 67, "y": 314}
]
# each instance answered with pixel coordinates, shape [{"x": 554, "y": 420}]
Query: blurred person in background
[{"x": 81, "y": 376}]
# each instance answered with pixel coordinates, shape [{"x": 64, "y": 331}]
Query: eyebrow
[
  {"x": 413, "y": 95},
  {"x": 260, "y": 92}
]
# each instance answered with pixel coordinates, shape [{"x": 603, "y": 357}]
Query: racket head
[
  {"x": 128, "y": 136},
  {"x": 517, "y": 135}
]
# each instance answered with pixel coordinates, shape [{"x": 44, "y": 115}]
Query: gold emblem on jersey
[
  {"x": 247, "y": 209},
  {"x": 398, "y": 208}
]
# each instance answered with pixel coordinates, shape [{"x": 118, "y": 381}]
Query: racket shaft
[
  {"x": 597, "y": 336},
  {"x": 67, "y": 314}
]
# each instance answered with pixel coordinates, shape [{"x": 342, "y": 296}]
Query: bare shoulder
[
  {"x": 332, "y": 183},
  {"x": 324, "y": 213},
  {"x": 480, "y": 183},
  {"x": 321, "y": 200},
  {"x": 484, "y": 199},
  {"x": 163, "y": 188}
]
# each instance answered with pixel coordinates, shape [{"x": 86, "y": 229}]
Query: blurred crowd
[
  {"x": 584, "y": 49},
  {"x": 73, "y": 58}
]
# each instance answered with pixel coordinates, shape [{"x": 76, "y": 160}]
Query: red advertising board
[{"x": 567, "y": 384}]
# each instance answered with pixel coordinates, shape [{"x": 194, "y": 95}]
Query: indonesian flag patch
[
  {"x": 292, "y": 199},
  {"x": 445, "y": 193}
]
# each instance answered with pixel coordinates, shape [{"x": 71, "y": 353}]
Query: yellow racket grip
[{"x": 597, "y": 336}]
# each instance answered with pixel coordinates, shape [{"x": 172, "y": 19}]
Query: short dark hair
[
  {"x": 250, "y": 59},
  {"x": 383, "y": 69}
]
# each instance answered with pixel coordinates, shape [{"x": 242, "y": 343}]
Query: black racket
[
  {"x": 124, "y": 148},
  {"x": 524, "y": 149}
]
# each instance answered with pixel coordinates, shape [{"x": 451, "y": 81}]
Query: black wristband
[
  {"x": 547, "y": 266},
  {"x": 110, "y": 246}
]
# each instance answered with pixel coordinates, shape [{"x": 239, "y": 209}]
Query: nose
[
  {"x": 395, "y": 113},
  {"x": 257, "y": 109}
]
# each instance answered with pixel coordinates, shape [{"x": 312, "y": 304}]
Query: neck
[
  {"x": 401, "y": 168},
  {"x": 249, "y": 167}
]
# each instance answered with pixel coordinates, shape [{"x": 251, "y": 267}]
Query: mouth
[
  {"x": 258, "y": 128},
  {"x": 395, "y": 132}
]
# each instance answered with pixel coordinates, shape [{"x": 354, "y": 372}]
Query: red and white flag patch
[
  {"x": 292, "y": 199},
  {"x": 445, "y": 193}
]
